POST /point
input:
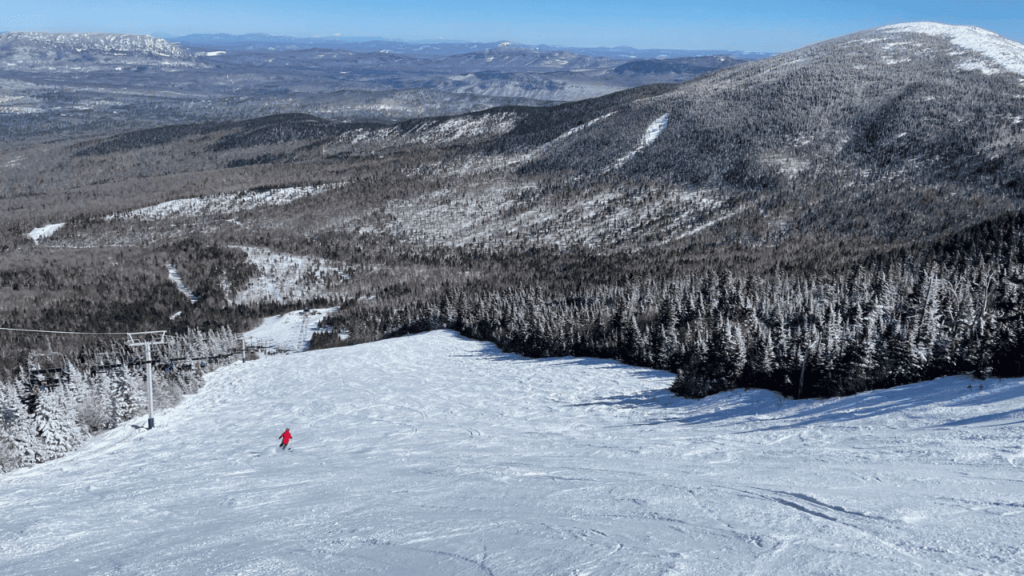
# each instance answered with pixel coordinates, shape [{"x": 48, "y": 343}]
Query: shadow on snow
[{"x": 768, "y": 407}]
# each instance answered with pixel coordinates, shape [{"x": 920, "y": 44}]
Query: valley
[
  {"x": 839, "y": 218},
  {"x": 68, "y": 85}
]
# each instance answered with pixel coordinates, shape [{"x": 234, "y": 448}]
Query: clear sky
[{"x": 755, "y": 25}]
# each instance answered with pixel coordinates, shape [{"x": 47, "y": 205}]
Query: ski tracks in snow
[{"x": 435, "y": 454}]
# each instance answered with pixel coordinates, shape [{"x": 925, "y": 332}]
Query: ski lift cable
[
  {"x": 255, "y": 344},
  {"x": 73, "y": 333}
]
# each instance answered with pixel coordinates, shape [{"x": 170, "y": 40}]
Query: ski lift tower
[{"x": 148, "y": 339}]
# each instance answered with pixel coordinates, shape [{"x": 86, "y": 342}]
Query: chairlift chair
[
  {"x": 48, "y": 368},
  {"x": 105, "y": 362}
]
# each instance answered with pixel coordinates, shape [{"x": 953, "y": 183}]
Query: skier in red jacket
[{"x": 285, "y": 437}]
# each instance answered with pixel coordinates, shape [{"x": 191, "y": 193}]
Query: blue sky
[{"x": 756, "y": 25}]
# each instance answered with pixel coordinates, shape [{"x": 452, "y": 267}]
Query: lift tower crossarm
[{"x": 147, "y": 339}]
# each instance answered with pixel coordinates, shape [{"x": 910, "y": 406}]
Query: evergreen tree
[
  {"x": 56, "y": 424},
  {"x": 665, "y": 347},
  {"x": 633, "y": 346},
  {"x": 129, "y": 398},
  {"x": 97, "y": 412},
  {"x": 16, "y": 446}
]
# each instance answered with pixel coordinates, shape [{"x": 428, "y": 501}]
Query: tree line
[
  {"x": 887, "y": 321},
  {"x": 100, "y": 388}
]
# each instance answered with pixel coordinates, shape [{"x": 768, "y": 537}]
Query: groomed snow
[
  {"x": 38, "y": 234},
  {"x": 1005, "y": 53},
  {"x": 434, "y": 454},
  {"x": 289, "y": 332}
]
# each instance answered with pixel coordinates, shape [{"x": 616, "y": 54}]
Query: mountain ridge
[
  {"x": 867, "y": 144},
  {"x": 89, "y": 50}
]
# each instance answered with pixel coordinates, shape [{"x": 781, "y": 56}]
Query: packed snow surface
[
  {"x": 38, "y": 234},
  {"x": 288, "y": 332},
  {"x": 434, "y": 454},
  {"x": 1006, "y": 53}
]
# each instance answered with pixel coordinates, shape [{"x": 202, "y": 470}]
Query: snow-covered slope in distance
[
  {"x": 285, "y": 276},
  {"x": 434, "y": 454},
  {"x": 221, "y": 204},
  {"x": 175, "y": 277},
  {"x": 1004, "y": 53},
  {"x": 654, "y": 129},
  {"x": 288, "y": 332},
  {"x": 44, "y": 232}
]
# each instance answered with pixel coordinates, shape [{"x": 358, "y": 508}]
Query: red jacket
[{"x": 286, "y": 436}]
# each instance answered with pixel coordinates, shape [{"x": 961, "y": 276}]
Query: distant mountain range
[
  {"x": 76, "y": 84},
  {"x": 207, "y": 42},
  {"x": 84, "y": 52}
]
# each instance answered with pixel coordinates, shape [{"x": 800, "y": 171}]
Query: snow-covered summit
[{"x": 1003, "y": 53}]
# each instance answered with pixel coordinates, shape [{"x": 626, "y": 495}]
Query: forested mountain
[
  {"x": 851, "y": 206},
  {"x": 678, "y": 66},
  {"x": 84, "y": 52}
]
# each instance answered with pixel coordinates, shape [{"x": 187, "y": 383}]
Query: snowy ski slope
[
  {"x": 220, "y": 204},
  {"x": 291, "y": 331},
  {"x": 42, "y": 232},
  {"x": 434, "y": 454},
  {"x": 174, "y": 276}
]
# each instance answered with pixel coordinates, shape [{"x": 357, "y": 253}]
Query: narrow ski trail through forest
[{"x": 435, "y": 454}]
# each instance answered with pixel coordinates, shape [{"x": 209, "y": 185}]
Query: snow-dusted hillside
[
  {"x": 285, "y": 276},
  {"x": 221, "y": 204},
  {"x": 27, "y": 50},
  {"x": 431, "y": 131},
  {"x": 434, "y": 454}
]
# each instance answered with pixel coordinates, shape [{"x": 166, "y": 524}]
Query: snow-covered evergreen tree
[
  {"x": 56, "y": 424},
  {"x": 129, "y": 396},
  {"x": 15, "y": 437},
  {"x": 97, "y": 410}
]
